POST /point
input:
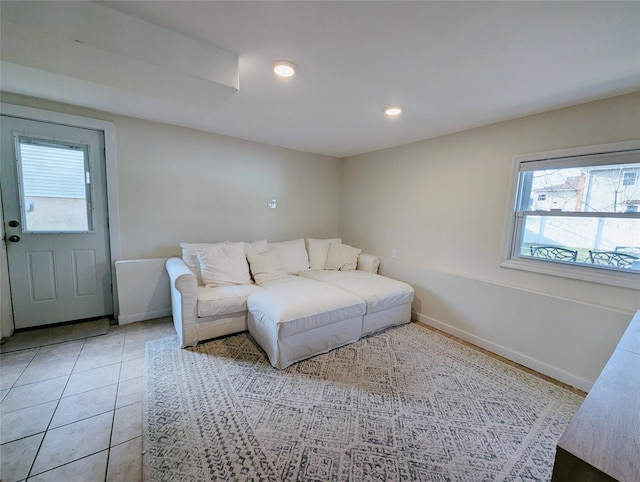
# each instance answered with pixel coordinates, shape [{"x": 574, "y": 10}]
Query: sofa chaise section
[
  {"x": 301, "y": 318},
  {"x": 388, "y": 301}
]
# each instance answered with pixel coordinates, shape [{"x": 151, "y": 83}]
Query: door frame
[{"x": 113, "y": 211}]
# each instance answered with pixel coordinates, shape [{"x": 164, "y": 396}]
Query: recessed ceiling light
[
  {"x": 284, "y": 68},
  {"x": 393, "y": 111}
]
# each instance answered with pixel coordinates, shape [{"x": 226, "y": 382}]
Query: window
[
  {"x": 54, "y": 186},
  {"x": 575, "y": 214},
  {"x": 629, "y": 178}
]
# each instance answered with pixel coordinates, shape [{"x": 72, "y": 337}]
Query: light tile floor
[{"x": 73, "y": 411}]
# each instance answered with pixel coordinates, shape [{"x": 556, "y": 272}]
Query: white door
[{"x": 54, "y": 205}]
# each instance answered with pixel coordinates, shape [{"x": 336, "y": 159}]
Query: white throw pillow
[
  {"x": 224, "y": 265},
  {"x": 256, "y": 246},
  {"x": 318, "y": 250},
  {"x": 190, "y": 256},
  {"x": 293, "y": 255},
  {"x": 342, "y": 257},
  {"x": 266, "y": 266}
]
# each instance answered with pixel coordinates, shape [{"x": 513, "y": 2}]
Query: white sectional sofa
[{"x": 297, "y": 298}]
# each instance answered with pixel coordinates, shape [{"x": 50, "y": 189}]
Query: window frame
[{"x": 512, "y": 259}]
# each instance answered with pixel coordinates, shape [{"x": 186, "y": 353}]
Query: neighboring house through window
[
  {"x": 630, "y": 178},
  {"x": 576, "y": 214}
]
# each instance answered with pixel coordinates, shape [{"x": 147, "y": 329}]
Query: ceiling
[{"x": 451, "y": 65}]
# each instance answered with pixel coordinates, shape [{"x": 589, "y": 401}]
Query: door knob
[
  {"x": 13, "y": 223},
  {"x": 14, "y": 238}
]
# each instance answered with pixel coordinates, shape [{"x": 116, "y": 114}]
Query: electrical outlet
[
  {"x": 394, "y": 253},
  {"x": 272, "y": 204}
]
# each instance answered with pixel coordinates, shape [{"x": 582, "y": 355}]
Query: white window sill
[{"x": 605, "y": 276}]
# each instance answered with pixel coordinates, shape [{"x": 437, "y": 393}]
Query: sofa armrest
[
  {"x": 184, "y": 300},
  {"x": 368, "y": 262}
]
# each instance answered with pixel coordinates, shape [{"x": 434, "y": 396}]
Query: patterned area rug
[{"x": 403, "y": 405}]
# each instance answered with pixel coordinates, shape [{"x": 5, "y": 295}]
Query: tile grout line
[
  {"x": 33, "y": 462},
  {"x": 127, "y": 335},
  {"x": 42, "y": 403},
  {"x": 108, "y": 448},
  {"x": 24, "y": 369},
  {"x": 115, "y": 405},
  {"x": 62, "y": 465}
]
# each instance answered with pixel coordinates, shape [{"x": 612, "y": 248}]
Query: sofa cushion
[
  {"x": 293, "y": 255},
  {"x": 190, "y": 256},
  {"x": 285, "y": 280},
  {"x": 224, "y": 265},
  {"x": 342, "y": 257},
  {"x": 368, "y": 263},
  {"x": 224, "y": 299},
  {"x": 266, "y": 266},
  {"x": 379, "y": 292},
  {"x": 293, "y": 308},
  {"x": 318, "y": 250},
  {"x": 259, "y": 246}
]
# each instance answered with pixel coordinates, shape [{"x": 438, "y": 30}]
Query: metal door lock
[
  {"x": 14, "y": 238},
  {"x": 13, "y": 223}
]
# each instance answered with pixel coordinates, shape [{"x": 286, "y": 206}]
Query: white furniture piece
[
  {"x": 296, "y": 308},
  {"x": 387, "y": 301},
  {"x": 299, "y": 318}
]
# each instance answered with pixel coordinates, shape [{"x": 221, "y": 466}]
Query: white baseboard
[
  {"x": 524, "y": 360},
  {"x": 147, "y": 315}
]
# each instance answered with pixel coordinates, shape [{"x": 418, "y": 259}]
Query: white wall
[
  {"x": 177, "y": 184},
  {"x": 451, "y": 251},
  {"x": 182, "y": 185}
]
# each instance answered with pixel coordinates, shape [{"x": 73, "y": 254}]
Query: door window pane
[{"x": 54, "y": 183}]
